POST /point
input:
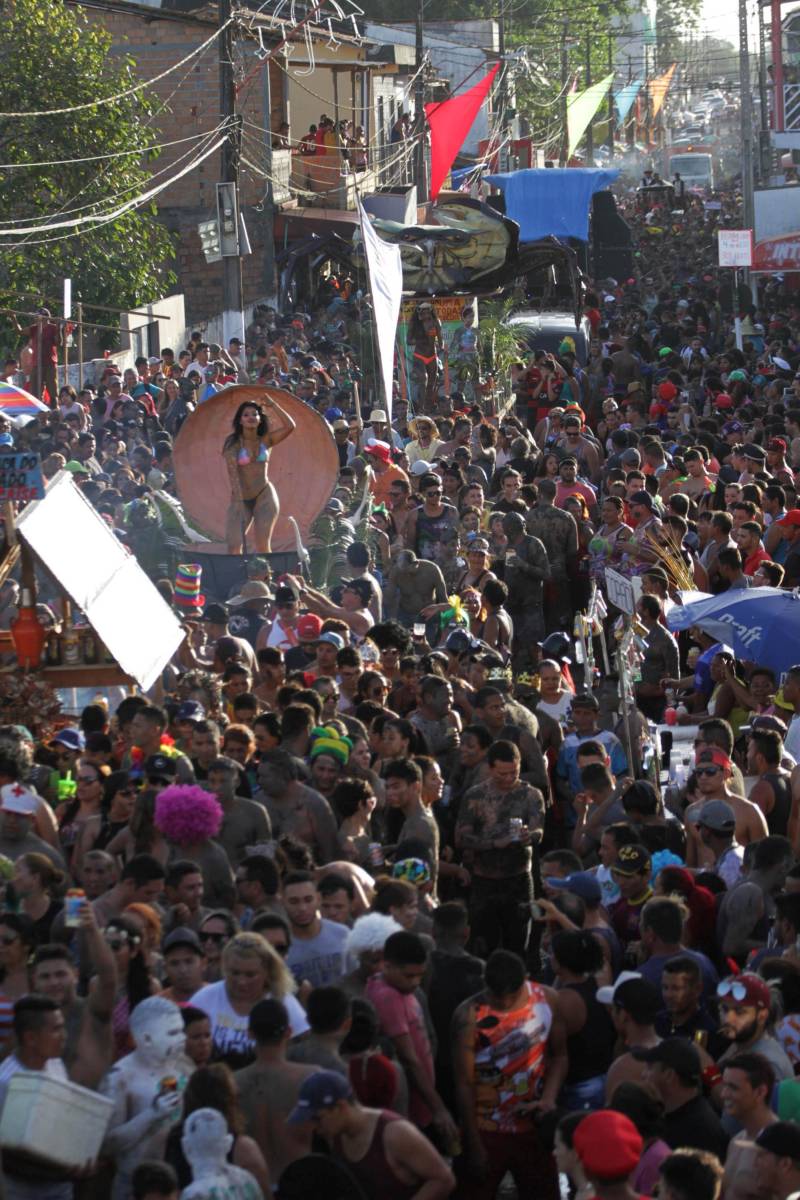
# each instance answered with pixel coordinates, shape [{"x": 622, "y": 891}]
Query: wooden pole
[{"x": 79, "y": 310}]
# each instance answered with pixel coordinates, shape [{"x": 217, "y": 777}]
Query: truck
[{"x": 696, "y": 169}]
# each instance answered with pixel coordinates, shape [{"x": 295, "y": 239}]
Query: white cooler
[{"x": 58, "y": 1121}]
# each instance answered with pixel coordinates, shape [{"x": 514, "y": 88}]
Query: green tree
[{"x": 51, "y": 58}]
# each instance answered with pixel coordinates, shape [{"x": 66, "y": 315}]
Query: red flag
[{"x": 450, "y": 123}]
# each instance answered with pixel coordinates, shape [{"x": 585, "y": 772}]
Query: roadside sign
[
  {"x": 21, "y": 477},
  {"x": 620, "y": 592},
  {"x": 735, "y": 247}
]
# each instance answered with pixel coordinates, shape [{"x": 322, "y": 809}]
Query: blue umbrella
[{"x": 761, "y": 624}]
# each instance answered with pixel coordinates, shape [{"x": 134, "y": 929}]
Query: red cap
[
  {"x": 792, "y": 518},
  {"x": 723, "y": 400},
  {"x": 667, "y": 391},
  {"x": 713, "y": 755},
  {"x": 756, "y": 990},
  {"x": 309, "y": 627},
  {"x": 777, "y": 444},
  {"x": 381, "y": 450},
  {"x": 608, "y": 1144}
]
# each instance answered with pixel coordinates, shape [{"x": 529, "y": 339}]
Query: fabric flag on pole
[
  {"x": 659, "y": 87},
  {"x": 581, "y": 107},
  {"x": 450, "y": 122},
  {"x": 385, "y": 268},
  {"x": 625, "y": 98}
]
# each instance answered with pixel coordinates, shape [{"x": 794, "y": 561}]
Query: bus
[{"x": 695, "y": 169}]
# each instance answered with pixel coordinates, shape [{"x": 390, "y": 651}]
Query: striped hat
[{"x": 187, "y": 586}]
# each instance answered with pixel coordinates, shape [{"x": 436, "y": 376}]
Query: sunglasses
[
  {"x": 434, "y": 492},
  {"x": 127, "y": 791},
  {"x": 216, "y": 938},
  {"x": 734, "y": 988},
  {"x": 87, "y": 779},
  {"x": 707, "y": 770}
]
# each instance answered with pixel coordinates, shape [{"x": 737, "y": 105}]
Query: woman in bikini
[
  {"x": 254, "y": 500},
  {"x": 425, "y": 335}
]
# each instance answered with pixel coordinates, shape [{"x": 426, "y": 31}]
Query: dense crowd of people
[{"x": 380, "y": 871}]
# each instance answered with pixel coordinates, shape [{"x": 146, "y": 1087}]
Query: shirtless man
[
  {"x": 269, "y": 1088},
  {"x": 294, "y": 808},
  {"x": 713, "y": 782},
  {"x": 88, "y": 1052}
]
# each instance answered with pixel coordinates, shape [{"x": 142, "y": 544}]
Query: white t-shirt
[
  {"x": 558, "y": 711},
  {"x": 792, "y": 742},
  {"x": 229, "y": 1028}
]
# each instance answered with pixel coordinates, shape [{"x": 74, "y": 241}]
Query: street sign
[
  {"x": 735, "y": 247},
  {"x": 21, "y": 477},
  {"x": 620, "y": 592}
]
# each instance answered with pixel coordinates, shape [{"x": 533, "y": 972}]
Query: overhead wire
[{"x": 138, "y": 87}]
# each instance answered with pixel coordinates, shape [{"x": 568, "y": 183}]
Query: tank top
[
  {"x": 510, "y": 1049},
  {"x": 429, "y": 532},
  {"x": 373, "y": 1169},
  {"x": 591, "y": 1049},
  {"x": 778, "y": 819}
]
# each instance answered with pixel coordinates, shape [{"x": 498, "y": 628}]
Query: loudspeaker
[
  {"x": 612, "y": 252},
  {"x": 224, "y": 574}
]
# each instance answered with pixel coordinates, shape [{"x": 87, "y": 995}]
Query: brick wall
[{"x": 156, "y": 41}]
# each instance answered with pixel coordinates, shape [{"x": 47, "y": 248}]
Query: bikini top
[{"x": 243, "y": 458}]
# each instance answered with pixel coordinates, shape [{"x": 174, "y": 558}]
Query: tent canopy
[{"x": 555, "y": 201}]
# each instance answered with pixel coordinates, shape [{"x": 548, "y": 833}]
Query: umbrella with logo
[
  {"x": 760, "y": 624},
  {"x": 16, "y": 402}
]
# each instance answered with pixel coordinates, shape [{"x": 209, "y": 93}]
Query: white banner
[{"x": 385, "y": 269}]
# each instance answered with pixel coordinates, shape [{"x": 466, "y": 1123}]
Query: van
[{"x": 547, "y": 330}]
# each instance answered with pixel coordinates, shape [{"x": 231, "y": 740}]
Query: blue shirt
[{"x": 567, "y": 765}]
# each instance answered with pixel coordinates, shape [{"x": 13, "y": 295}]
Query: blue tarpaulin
[{"x": 551, "y": 201}]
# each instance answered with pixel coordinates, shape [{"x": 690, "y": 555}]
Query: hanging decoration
[
  {"x": 581, "y": 107},
  {"x": 450, "y": 121},
  {"x": 659, "y": 87}
]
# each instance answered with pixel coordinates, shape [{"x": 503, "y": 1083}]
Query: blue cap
[
  {"x": 70, "y": 739},
  {"x": 333, "y": 414},
  {"x": 321, "y": 1090},
  {"x": 582, "y": 884},
  {"x": 6, "y": 439},
  {"x": 190, "y": 710}
]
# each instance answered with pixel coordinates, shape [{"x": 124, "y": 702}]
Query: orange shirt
[{"x": 380, "y": 484}]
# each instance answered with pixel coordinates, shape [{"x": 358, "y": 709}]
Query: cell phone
[
  {"x": 537, "y": 912},
  {"x": 419, "y": 629}
]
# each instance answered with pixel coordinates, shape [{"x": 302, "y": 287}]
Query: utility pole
[
  {"x": 589, "y": 129},
  {"x": 765, "y": 154},
  {"x": 502, "y": 91},
  {"x": 746, "y": 116},
  {"x": 228, "y": 196},
  {"x": 611, "y": 113},
  {"x": 564, "y": 151},
  {"x": 419, "y": 95}
]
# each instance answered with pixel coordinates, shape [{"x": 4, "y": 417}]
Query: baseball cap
[
  {"x": 713, "y": 755},
  {"x": 643, "y": 498},
  {"x": 381, "y": 450},
  {"x": 632, "y": 860},
  {"x": 581, "y": 883},
  {"x": 309, "y": 627},
  {"x": 216, "y": 613},
  {"x": 254, "y": 589},
  {"x": 190, "y": 710},
  {"x": 341, "y": 424},
  {"x": 285, "y": 595},
  {"x": 14, "y": 798},
  {"x": 792, "y": 518},
  {"x": 776, "y": 444},
  {"x": 746, "y": 988},
  {"x": 182, "y": 937},
  {"x": 781, "y": 1138},
  {"x": 70, "y": 739},
  {"x": 585, "y": 700},
  {"x": 718, "y": 816},
  {"x": 678, "y": 1053},
  {"x": 160, "y": 766},
  {"x": 76, "y": 468},
  {"x": 332, "y": 639},
  {"x": 608, "y": 1145},
  {"x": 321, "y": 1090},
  {"x": 606, "y": 994}
]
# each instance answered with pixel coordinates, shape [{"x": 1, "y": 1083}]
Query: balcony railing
[{"x": 331, "y": 180}]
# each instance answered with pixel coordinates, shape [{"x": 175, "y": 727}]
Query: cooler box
[{"x": 57, "y": 1121}]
